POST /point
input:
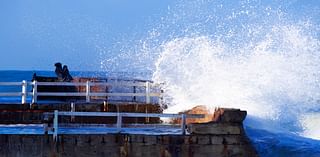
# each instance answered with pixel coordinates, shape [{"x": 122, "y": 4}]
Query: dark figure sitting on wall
[
  {"x": 63, "y": 74},
  {"x": 66, "y": 75},
  {"x": 59, "y": 71}
]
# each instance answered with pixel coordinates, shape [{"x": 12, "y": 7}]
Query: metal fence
[
  {"x": 88, "y": 94},
  {"x": 119, "y": 116}
]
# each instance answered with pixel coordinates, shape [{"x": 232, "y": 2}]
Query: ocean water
[{"x": 259, "y": 56}]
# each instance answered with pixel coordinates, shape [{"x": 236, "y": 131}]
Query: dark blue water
[
  {"x": 269, "y": 144},
  {"x": 17, "y": 76}
]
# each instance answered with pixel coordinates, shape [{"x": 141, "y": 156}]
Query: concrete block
[
  {"x": 136, "y": 139},
  {"x": 236, "y": 140},
  {"x": 207, "y": 150},
  {"x": 215, "y": 128},
  {"x": 229, "y": 139},
  {"x": 176, "y": 139},
  {"x": 150, "y": 140},
  {"x": 191, "y": 139},
  {"x": 204, "y": 140},
  {"x": 109, "y": 140},
  {"x": 165, "y": 140},
  {"x": 233, "y": 115},
  {"x": 216, "y": 140},
  {"x": 141, "y": 150}
]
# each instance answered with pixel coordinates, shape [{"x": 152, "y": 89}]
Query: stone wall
[
  {"x": 120, "y": 145},
  {"x": 224, "y": 137}
]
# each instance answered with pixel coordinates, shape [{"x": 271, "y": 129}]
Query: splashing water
[
  {"x": 278, "y": 84},
  {"x": 262, "y": 57},
  {"x": 268, "y": 67},
  {"x": 200, "y": 70}
]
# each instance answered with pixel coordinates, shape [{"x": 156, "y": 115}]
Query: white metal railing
[
  {"x": 88, "y": 93},
  {"x": 119, "y": 116},
  {"x": 23, "y": 93}
]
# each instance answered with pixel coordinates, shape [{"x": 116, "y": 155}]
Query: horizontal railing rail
[
  {"x": 88, "y": 93},
  {"x": 119, "y": 116},
  {"x": 137, "y": 84}
]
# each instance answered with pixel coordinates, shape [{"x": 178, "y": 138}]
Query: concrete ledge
[
  {"x": 224, "y": 137},
  {"x": 123, "y": 145},
  {"x": 215, "y": 128}
]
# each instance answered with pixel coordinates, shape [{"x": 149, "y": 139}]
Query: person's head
[{"x": 58, "y": 64}]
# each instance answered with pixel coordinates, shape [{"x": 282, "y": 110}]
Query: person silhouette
[
  {"x": 59, "y": 71},
  {"x": 66, "y": 74}
]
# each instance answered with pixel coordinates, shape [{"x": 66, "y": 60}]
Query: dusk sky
[{"x": 34, "y": 34}]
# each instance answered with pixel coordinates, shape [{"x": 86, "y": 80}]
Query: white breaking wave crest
[
  {"x": 260, "y": 62},
  {"x": 276, "y": 78},
  {"x": 200, "y": 70},
  {"x": 253, "y": 55}
]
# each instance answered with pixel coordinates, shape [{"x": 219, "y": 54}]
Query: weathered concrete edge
[{"x": 120, "y": 145}]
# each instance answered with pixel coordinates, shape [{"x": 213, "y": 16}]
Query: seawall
[
  {"x": 222, "y": 137},
  {"x": 124, "y": 145}
]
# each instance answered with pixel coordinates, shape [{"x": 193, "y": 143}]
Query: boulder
[
  {"x": 227, "y": 115},
  {"x": 195, "y": 110},
  {"x": 224, "y": 121}
]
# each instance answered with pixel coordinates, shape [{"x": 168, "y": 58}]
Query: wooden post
[
  {"x": 88, "y": 91},
  {"x": 35, "y": 92},
  {"x": 24, "y": 92}
]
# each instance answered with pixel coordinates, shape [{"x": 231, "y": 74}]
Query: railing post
[
  {"x": 105, "y": 106},
  {"x": 35, "y": 92},
  {"x": 134, "y": 91},
  {"x": 148, "y": 92},
  {"x": 24, "y": 92},
  {"x": 55, "y": 125},
  {"x": 88, "y": 91},
  {"x": 72, "y": 109},
  {"x": 45, "y": 128},
  {"x": 119, "y": 122},
  {"x": 183, "y": 124}
]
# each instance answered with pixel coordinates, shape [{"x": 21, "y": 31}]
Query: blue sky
[{"x": 36, "y": 33}]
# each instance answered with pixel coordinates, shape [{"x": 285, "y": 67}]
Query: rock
[
  {"x": 196, "y": 110},
  {"x": 224, "y": 122},
  {"x": 229, "y": 115}
]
